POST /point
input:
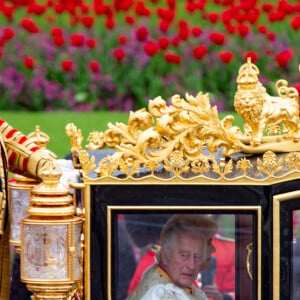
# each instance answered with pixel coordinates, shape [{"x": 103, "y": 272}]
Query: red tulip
[
  {"x": 151, "y": 48},
  {"x": 8, "y": 33},
  {"x": 267, "y": 7},
  {"x": 119, "y": 54},
  {"x": 94, "y": 66},
  {"x": 84, "y": 8},
  {"x": 213, "y": 17},
  {"x": 122, "y": 39},
  {"x": 129, "y": 20},
  {"x": 184, "y": 33},
  {"x": 37, "y": 9},
  {"x": 142, "y": 10},
  {"x": 247, "y": 5},
  {"x": 58, "y": 40},
  {"x": 110, "y": 23},
  {"x": 164, "y": 25},
  {"x": 56, "y": 31},
  {"x": 29, "y": 62},
  {"x": 163, "y": 42},
  {"x": 201, "y": 4},
  {"x": 295, "y": 23},
  {"x": 77, "y": 39},
  {"x": 141, "y": 33},
  {"x": 67, "y": 65},
  {"x": 91, "y": 43},
  {"x": 253, "y": 55},
  {"x": 217, "y": 38},
  {"x": 262, "y": 29},
  {"x": 226, "y": 56},
  {"x": 297, "y": 87},
  {"x": 276, "y": 16},
  {"x": 99, "y": 8},
  {"x": 285, "y": 7},
  {"x": 182, "y": 23},
  {"x": 228, "y": 15},
  {"x": 190, "y": 6},
  {"x": 200, "y": 51},
  {"x": 283, "y": 58},
  {"x": 29, "y": 25},
  {"x": 243, "y": 30},
  {"x": 176, "y": 40},
  {"x": 230, "y": 28},
  {"x": 196, "y": 31},
  {"x": 271, "y": 36},
  {"x": 171, "y": 3},
  {"x": 166, "y": 14},
  {"x": 120, "y": 5},
  {"x": 88, "y": 21},
  {"x": 8, "y": 11},
  {"x": 172, "y": 58},
  {"x": 59, "y": 8}
]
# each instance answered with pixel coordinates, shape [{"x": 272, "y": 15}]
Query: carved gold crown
[
  {"x": 186, "y": 139},
  {"x": 248, "y": 76}
]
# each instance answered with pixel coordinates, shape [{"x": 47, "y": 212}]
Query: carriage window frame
[{"x": 111, "y": 208}]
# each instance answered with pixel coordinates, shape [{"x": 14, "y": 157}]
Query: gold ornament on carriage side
[
  {"x": 263, "y": 112},
  {"x": 186, "y": 135}
]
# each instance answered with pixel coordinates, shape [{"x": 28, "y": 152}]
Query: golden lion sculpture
[{"x": 260, "y": 110}]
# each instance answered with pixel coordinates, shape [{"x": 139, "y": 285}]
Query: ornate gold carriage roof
[{"x": 187, "y": 141}]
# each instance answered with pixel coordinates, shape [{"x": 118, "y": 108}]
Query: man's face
[{"x": 186, "y": 259}]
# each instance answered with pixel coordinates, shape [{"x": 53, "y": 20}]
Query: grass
[{"x": 54, "y": 123}]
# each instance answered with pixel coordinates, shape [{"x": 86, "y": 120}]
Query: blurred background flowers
[{"x": 116, "y": 55}]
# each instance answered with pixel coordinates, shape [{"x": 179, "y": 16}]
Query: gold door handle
[{"x": 248, "y": 262}]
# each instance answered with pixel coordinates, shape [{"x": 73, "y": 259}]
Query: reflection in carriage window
[
  {"x": 296, "y": 256},
  {"x": 144, "y": 233}
]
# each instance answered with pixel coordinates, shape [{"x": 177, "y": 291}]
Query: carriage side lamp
[
  {"x": 19, "y": 190},
  {"x": 51, "y": 246}
]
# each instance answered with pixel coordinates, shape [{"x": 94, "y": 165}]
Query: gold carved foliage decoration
[
  {"x": 173, "y": 135},
  {"x": 186, "y": 138}
]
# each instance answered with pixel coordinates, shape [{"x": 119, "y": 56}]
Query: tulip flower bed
[{"x": 116, "y": 55}]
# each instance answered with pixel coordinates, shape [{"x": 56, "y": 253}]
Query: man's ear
[{"x": 163, "y": 256}]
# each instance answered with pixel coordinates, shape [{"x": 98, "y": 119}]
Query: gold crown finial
[
  {"x": 39, "y": 137},
  {"x": 248, "y": 75}
]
